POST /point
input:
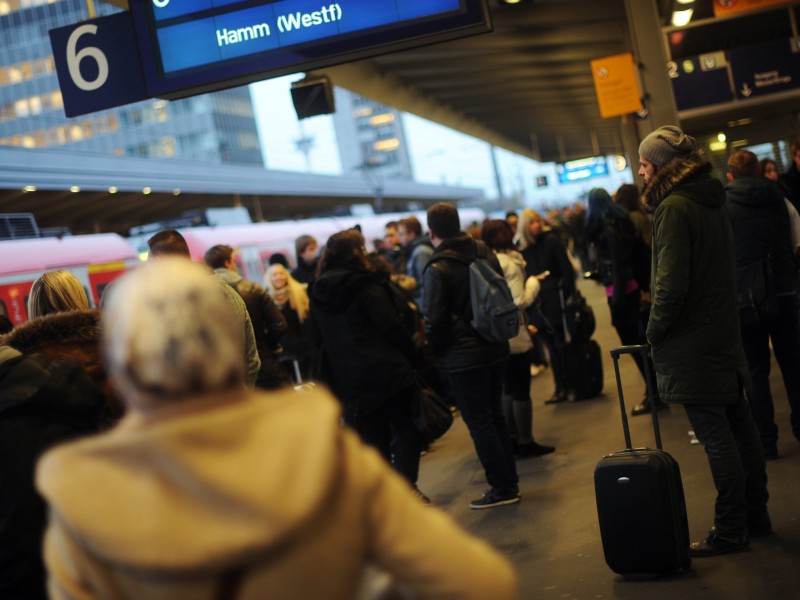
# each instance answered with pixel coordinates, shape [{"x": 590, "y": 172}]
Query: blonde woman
[
  {"x": 54, "y": 292},
  {"x": 292, "y": 299}
]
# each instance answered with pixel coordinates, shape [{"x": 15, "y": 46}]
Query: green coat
[{"x": 694, "y": 318}]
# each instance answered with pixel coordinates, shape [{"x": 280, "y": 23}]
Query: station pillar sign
[
  {"x": 97, "y": 63},
  {"x": 616, "y": 85},
  {"x": 729, "y": 7}
]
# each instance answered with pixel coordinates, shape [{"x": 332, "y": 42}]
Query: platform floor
[{"x": 552, "y": 536}]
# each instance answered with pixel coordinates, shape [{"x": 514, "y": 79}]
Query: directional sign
[
  {"x": 616, "y": 86},
  {"x": 729, "y": 7},
  {"x": 203, "y": 45},
  {"x": 97, "y": 64},
  {"x": 766, "y": 68},
  {"x": 700, "y": 80}
]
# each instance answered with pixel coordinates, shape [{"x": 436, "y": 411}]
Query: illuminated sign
[
  {"x": 204, "y": 45},
  {"x": 578, "y": 170}
]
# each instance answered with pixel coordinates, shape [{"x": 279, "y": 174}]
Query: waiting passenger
[
  {"x": 768, "y": 309},
  {"x": 370, "y": 353},
  {"x": 418, "y": 250},
  {"x": 767, "y": 168},
  {"x": 697, "y": 353},
  {"x": 207, "y": 489},
  {"x": 306, "y": 247},
  {"x": 618, "y": 247},
  {"x": 291, "y": 298},
  {"x": 269, "y": 326},
  {"x": 171, "y": 243}
]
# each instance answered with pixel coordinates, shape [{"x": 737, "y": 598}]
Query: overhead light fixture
[
  {"x": 681, "y": 18},
  {"x": 29, "y": 188},
  {"x": 112, "y": 190},
  {"x": 740, "y": 122},
  {"x": 176, "y": 192},
  {"x": 685, "y": 1},
  {"x": 74, "y": 189},
  {"x": 146, "y": 191},
  {"x": 721, "y": 137}
]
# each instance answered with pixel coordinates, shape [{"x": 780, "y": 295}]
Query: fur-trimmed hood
[
  {"x": 74, "y": 335},
  {"x": 683, "y": 172}
]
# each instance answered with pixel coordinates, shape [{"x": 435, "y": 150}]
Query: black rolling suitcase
[
  {"x": 584, "y": 368},
  {"x": 640, "y": 502}
]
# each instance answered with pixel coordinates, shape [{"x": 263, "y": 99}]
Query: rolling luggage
[
  {"x": 640, "y": 502},
  {"x": 584, "y": 368}
]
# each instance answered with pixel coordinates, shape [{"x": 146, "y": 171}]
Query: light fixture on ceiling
[
  {"x": 74, "y": 189},
  {"x": 112, "y": 190},
  {"x": 681, "y": 18},
  {"x": 146, "y": 191},
  {"x": 29, "y": 188},
  {"x": 176, "y": 192}
]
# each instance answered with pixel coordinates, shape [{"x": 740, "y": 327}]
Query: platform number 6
[{"x": 74, "y": 60}]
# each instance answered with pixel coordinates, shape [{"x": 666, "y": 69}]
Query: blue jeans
[
  {"x": 478, "y": 394},
  {"x": 737, "y": 463},
  {"x": 785, "y": 336}
]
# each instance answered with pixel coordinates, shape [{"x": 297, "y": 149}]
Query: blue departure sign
[{"x": 203, "y": 45}]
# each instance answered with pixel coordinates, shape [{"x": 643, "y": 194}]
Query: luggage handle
[{"x": 644, "y": 349}]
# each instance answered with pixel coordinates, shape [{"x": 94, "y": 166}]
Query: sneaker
[
  {"x": 714, "y": 545},
  {"x": 491, "y": 499},
  {"x": 532, "y": 449},
  {"x": 422, "y": 497}
]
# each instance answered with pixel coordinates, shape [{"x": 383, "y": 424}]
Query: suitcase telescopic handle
[{"x": 644, "y": 350}]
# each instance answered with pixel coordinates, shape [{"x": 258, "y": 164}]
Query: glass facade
[{"x": 217, "y": 128}]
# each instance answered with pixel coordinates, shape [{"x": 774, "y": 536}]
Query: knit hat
[
  {"x": 665, "y": 144},
  {"x": 170, "y": 333}
]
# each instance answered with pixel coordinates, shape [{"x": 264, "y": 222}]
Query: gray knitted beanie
[{"x": 664, "y": 144}]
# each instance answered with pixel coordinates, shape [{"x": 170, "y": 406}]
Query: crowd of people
[{"x": 178, "y": 388}]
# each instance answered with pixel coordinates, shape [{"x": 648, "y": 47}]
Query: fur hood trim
[
  {"x": 80, "y": 326},
  {"x": 672, "y": 175}
]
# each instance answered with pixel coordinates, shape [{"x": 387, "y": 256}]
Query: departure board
[{"x": 192, "y": 46}]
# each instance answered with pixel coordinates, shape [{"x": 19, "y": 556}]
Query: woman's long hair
[
  {"x": 602, "y": 210},
  {"x": 54, "y": 292},
  {"x": 295, "y": 291},
  {"x": 498, "y": 235},
  {"x": 344, "y": 250},
  {"x": 524, "y": 236}
]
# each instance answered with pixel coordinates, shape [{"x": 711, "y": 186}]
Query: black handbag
[{"x": 432, "y": 416}]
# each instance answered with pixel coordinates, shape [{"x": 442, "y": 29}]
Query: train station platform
[{"x": 552, "y": 536}]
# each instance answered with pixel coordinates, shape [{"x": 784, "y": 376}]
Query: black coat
[
  {"x": 370, "y": 354},
  {"x": 760, "y": 220},
  {"x": 448, "y": 307},
  {"x": 41, "y": 404},
  {"x": 549, "y": 254}
]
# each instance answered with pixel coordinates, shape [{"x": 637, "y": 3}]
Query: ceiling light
[
  {"x": 721, "y": 137},
  {"x": 685, "y": 1},
  {"x": 112, "y": 190},
  {"x": 146, "y": 191},
  {"x": 682, "y": 17},
  {"x": 74, "y": 189},
  {"x": 29, "y": 188},
  {"x": 176, "y": 192}
]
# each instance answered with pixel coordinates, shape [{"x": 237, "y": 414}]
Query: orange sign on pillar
[
  {"x": 727, "y": 7},
  {"x": 616, "y": 85}
]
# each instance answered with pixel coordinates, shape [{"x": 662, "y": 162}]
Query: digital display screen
[
  {"x": 584, "y": 168},
  {"x": 188, "y": 47}
]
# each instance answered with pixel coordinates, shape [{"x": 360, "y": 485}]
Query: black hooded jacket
[
  {"x": 760, "y": 222},
  {"x": 369, "y": 351},
  {"x": 448, "y": 307},
  {"x": 41, "y": 404}
]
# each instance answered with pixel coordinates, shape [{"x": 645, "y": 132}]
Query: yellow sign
[
  {"x": 616, "y": 86},
  {"x": 729, "y": 7}
]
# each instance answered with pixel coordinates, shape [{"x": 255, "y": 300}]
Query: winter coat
[
  {"x": 694, "y": 317},
  {"x": 41, "y": 404},
  {"x": 267, "y": 490},
  {"x": 268, "y": 325},
  {"x": 251, "y": 359},
  {"x": 615, "y": 244},
  {"x": 420, "y": 251},
  {"x": 73, "y": 335},
  {"x": 548, "y": 253},
  {"x": 369, "y": 351},
  {"x": 760, "y": 221},
  {"x": 524, "y": 292},
  {"x": 448, "y": 307}
]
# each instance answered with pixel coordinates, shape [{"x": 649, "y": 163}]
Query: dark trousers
[
  {"x": 555, "y": 341},
  {"x": 785, "y": 335},
  {"x": 478, "y": 394},
  {"x": 626, "y": 319},
  {"x": 391, "y": 430},
  {"x": 737, "y": 463}
]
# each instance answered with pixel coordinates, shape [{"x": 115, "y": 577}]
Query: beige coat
[{"x": 172, "y": 503}]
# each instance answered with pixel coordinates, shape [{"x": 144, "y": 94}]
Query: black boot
[{"x": 560, "y": 395}]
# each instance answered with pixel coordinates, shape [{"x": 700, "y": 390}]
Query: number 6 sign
[{"x": 97, "y": 63}]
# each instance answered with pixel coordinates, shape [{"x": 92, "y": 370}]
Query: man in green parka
[{"x": 694, "y": 331}]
